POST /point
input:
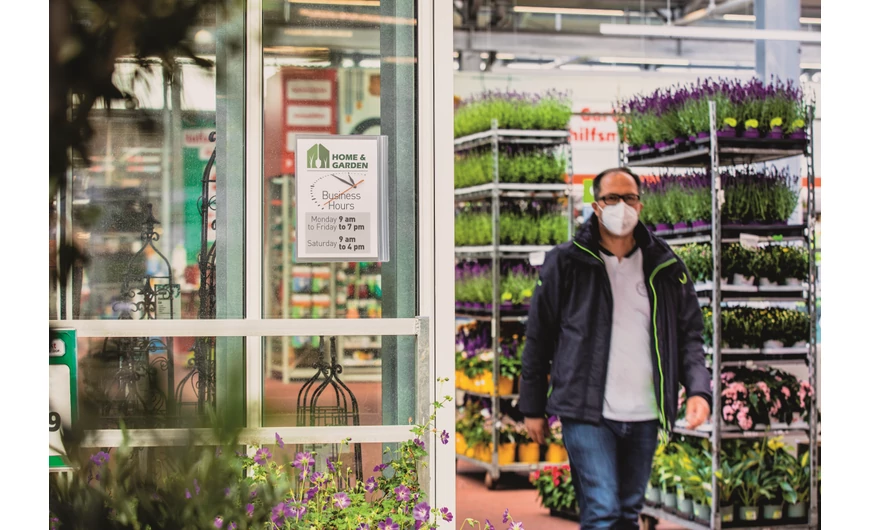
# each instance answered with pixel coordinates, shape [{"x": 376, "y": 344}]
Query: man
[{"x": 615, "y": 323}]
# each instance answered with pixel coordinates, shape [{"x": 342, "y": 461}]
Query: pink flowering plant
[{"x": 219, "y": 487}]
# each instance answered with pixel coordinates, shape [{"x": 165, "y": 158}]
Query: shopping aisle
[{"x": 515, "y": 493}]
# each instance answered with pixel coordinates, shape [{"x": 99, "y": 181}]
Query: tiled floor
[{"x": 514, "y": 492}]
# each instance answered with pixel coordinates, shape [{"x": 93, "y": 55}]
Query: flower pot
[
  {"x": 681, "y": 226},
  {"x": 461, "y": 446},
  {"x": 751, "y": 133},
  {"x": 662, "y": 226},
  {"x": 529, "y": 453},
  {"x": 661, "y": 145},
  {"x": 703, "y": 135},
  {"x": 800, "y": 134},
  {"x": 800, "y": 344},
  {"x": 726, "y": 132},
  {"x": 556, "y": 454},
  {"x": 488, "y": 307},
  {"x": 506, "y": 306},
  {"x": 764, "y": 282},
  {"x": 483, "y": 452},
  {"x": 772, "y": 512},
  {"x": 632, "y": 149},
  {"x": 505, "y": 385},
  {"x": 775, "y": 133},
  {"x": 644, "y": 147},
  {"x": 740, "y": 279},
  {"x": 797, "y": 511},
  {"x": 700, "y": 511},
  {"x": 653, "y": 495},
  {"x": 772, "y": 344},
  {"x": 700, "y": 224},
  {"x": 748, "y": 513},
  {"x": 794, "y": 282},
  {"x": 685, "y": 506},
  {"x": 507, "y": 454},
  {"x": 679, "y": 140},
  {"x": 726, "y": 514},
  {"x": 669, "y": 499},
  {"x": 693, "y": 137}
]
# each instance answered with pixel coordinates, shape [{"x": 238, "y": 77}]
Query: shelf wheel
[{"x": 491, "y": 481}]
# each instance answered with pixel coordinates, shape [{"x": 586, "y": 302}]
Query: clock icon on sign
[{"x": 335, "y": 187}]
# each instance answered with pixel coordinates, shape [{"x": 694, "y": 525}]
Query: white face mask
[{"x": 619, "y": 219}]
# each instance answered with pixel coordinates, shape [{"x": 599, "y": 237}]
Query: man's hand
[
  {"x": 538, "y": 429},
  {"x": 697, "y": 412}
]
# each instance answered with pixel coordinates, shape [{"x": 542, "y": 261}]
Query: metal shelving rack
[
  {"x": 495, "y": 192},
  {"x": 710, "y": 154}
]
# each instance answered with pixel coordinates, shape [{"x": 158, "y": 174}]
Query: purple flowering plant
[{"x": 228, "y": 489}]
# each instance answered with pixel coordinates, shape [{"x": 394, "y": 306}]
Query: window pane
[{"x": 303, "y": 387}]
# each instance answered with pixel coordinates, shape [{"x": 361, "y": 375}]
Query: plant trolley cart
[
  {"x": 716, "y": 153},
  {"x": 521, "y": 209}
]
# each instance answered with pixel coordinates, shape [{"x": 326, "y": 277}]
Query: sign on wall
[
  {"x": 341, "y": 199},
  {"x": 62, "y": 393}
]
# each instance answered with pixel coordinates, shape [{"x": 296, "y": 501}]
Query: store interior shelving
[
  {"x": 497, "y": 256},
  {"x": 714, "y": 154}
]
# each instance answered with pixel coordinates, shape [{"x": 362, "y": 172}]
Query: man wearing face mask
[{"x": 615, "y": 323}]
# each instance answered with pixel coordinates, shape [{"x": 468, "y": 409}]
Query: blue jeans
[{"x": 610, "y": 468}]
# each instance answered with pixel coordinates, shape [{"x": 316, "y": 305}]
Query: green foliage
[
  {"x": 512, "y": 110},
  {"x": 515, "y": 228},
  {"x": 554, "y": 488}
]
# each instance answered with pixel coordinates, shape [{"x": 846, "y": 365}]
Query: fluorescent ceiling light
[
  {"x": 598, "y": 68},
  {"x": 505, "y": 56},
  {"x": 484, "y": 55},
  {"x": 531, "y": 66},
  {"x": 739, "y": 18},
  {"x": 325, "y": 14},
  {"x": 751, "y": 18},
  {"x": 315, "y": 32},
  {"x": 811, "y": 66},
  {"x": 370, "y": 63},
  {"x": 296, "y": 50},
  {"x": 347, "y": 63},
  {"x": 569, "y": 11},
  {"x": 706, "y": 33},
  {"x": 704, "y": 71},
  {"x": 359, "y": 3},
  {"x": 644, "y": 60}
]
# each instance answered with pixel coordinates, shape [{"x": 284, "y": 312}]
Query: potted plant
[
  {"x": 667, "y": 479},
  {"x": 795, "y": 484},
  {"x": 774, "y": 457},
  {"x": 555, "y": 490},
  {"x": 507, "y": 444},
  {"x": 750, "y": 491},
  {"x": 683, "y": 469},
  {"x": 556, "y": 452},
  {"x": 728, "y": 479},
  {"x": 699, "y": 485},
  {"x": 528, "y": 452}
]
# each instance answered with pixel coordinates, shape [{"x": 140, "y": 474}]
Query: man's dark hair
[{"x": 596, "y": 182}]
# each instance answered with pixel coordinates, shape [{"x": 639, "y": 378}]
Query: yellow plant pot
[
  {"x": 556, "y": 454},
  {"x": 458, "y": 379},
  {"x": 483, "y": 383},
  {"x": 461, "y": 446},
  {"x": 505, "y": 386},
  {"x": 484, "y": 453},
  {"x": 529, "y": 453},
  {"x": 507, "y": 454},
  {"x": 471, "y": 452}
]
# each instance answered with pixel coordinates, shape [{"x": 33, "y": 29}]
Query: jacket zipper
[{"x": 662, "y": 416}]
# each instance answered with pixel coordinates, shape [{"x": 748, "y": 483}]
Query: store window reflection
[{"x": 339, "y": 68}]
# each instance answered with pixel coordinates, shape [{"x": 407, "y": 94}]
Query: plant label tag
[
  {"x": 727, "y": 517},
  {"x": 749, "y": 241},
  {"x": 777, "y": 514},
  {"x": 536, "y": 259}
]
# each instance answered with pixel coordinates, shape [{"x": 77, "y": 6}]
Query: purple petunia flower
[
  {"x": 516, "y": 526},
  {"x": 421, "y": 512},
  {"x": 100, "y": 458},
  {"x": 388, "y": 525},
  {"x": 488, "y": 526},
  {"x": 447, "y": 515},
  {"x": 419, "y": 443},
  {"x": 262, "y": 456},
  {"x": 279, "y": 441},
  {"x": 371, "y": 485},
  {"x": 250, "y": 510},
  {"x": 232, "y": 526},
  {"x": 330, "y": 466},
  {"x": 363, "y": 526},
  {"x": 381, "y": 467},
  {"x": 341, "y": 500},
  {"x": 218, "y": 522},
  {"x": 504, "y": 518},
  {"x": 303, "y": 460},
  {"x": 402, "y": 493},
  {"x": 296, "y": 510},
  {"x": 445, "y": 437}
]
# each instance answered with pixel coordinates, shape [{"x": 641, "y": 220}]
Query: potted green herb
[
  {"x": 699, "y": 484},
  {"x": 749, "y": 491},
  {"x": 667, "y": 479},
  {"x": 796, "y": 486}
]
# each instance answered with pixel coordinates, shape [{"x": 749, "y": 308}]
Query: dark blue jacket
[{"x": 569, "y": 326}]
